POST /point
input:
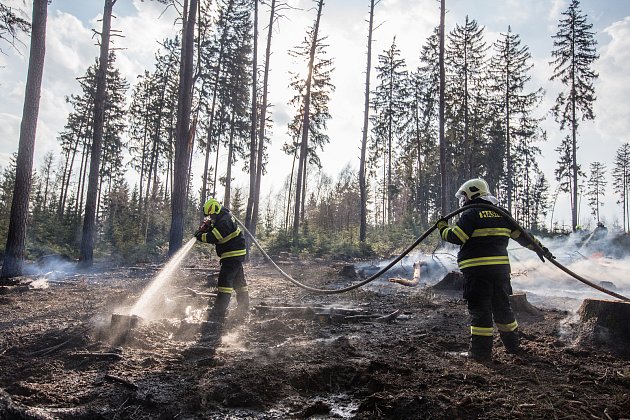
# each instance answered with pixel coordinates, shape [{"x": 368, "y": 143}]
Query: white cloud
[{"x": 612, "y": 89}]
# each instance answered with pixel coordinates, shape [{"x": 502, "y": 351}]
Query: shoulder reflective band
[
  {"x": 221, "y": 239},
  {"x": 457, "y": 231}
]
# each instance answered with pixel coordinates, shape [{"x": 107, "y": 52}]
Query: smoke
[
  {"x": 602, "y": 260},
  {"x": 51, "y": 266}
]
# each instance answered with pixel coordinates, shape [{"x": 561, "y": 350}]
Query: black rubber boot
[
  {"x": 480, "y": 348},
  {"x": 214, "y": 325},
  {"x": 511, "y": 341},
  {"x": 242, "y": 310}
]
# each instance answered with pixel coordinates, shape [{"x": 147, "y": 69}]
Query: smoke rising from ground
[{"x": 596, "y": 256}]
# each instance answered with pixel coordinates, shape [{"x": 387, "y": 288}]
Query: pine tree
[
  {"x": 422, "y": 130},
  {"x": 91, "y": 204},
  {"x": 363, "y": 187},
  {"x": 16, "y": 237},
  {"x": 11, "y": 25},
  {"x": 621, "y": 182},
  {"x": 467, "y": 103},
  {"x": 596, "y": 189},
  {"x": 181, "y": 163},
  {"x": 151, "y": 128},
  {"x": 574, "y": 54},
  {"x": 510, "y": 67},
  {"x": 388, "y": 121},
  {"x": 311, "y": 100}
]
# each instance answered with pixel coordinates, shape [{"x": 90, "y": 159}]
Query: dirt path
[{"x": 331, "y": 359}]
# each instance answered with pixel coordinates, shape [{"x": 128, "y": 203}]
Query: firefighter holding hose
[
  {"x": 220, "y": 228},
  {"x": 483, "y": 260}
]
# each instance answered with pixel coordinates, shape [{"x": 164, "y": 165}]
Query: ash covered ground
[{"x": 301, "y": 355}]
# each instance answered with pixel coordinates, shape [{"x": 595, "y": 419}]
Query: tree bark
[
  {"x": 263, "y": 118},
  {"x": 89, "y": 221},
  {"x": 253, "y": 147},
  {"x": 443, "y": 177},
  {"x": 366, "y": 116},
  {"x": 182, "y": 155},
  {"x": 16, "y": 237},
  {"x": 305, "y": 128}
]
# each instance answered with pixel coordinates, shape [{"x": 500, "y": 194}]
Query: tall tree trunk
[
  {"x": 184, "y": 105},
  {"x": 253, "y": 147},
  {"x": 508, "y": 139},
  {"x": 574, "y": 165},
  {"x": 443, "y": 177},
  {"x": 89, "y": 221},
  {"x": 85, "y": 156},
  {"x": 227, "y": 197},
  {"x": 305, "y": 127},
  {"x": 16, "y": 237},
  {"x": 366, "y": 119},
  {"x": 262, "y": 122},
  {"x": 204, "y": 184}
]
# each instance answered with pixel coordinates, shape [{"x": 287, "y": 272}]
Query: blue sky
[{"x": 71, "y": 49}]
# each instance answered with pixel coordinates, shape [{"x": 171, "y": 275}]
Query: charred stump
[
  {"x": 605, "y": 322},
  {"x": 521, "y": 305},
  {"x": 454, "y": 280},
  {"x": 349, "y": 271},
  {"x": 121, "y": 325}
]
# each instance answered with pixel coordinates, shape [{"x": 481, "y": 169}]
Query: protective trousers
[
  {"x": 231, "y": 277},
  {"x": 487, "y": 291}
]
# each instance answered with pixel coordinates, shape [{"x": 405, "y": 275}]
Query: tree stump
[
  {"x": 349, "y": 271},
  {"x": 452, "y": 281},
  {"x": 606, "y": 322},
  {"x": 519, "y": 304},
  {"x": 121, "y": 325}
]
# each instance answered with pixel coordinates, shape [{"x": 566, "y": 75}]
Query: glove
[
  {"x": 441, "y": 224},
  {"x": 205, "y": 226},
  {"x": 544, "y": 253},
  {"x": 199, "y": 235}
]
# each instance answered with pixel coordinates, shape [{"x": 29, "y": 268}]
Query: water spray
[{"x": 146, "y": 305}]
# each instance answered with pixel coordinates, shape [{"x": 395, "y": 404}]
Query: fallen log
[{"x": 414, "y": 281}]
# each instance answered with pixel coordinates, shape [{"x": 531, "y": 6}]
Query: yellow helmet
[
  {"x": 212, "y": 206},
  {"x": 473, "y": 188}
]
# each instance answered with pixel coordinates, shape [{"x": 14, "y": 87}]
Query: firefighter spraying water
[{"x": 220, "y": 228}]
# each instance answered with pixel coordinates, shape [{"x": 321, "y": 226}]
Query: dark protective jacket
[
  {"x": 226, "y": 235},
  {"x": 483, "y": 235}
]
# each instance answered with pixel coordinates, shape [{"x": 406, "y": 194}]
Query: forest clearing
[
  {"x": 112, "y": 308},
  {"x": 381, "y": 351}
]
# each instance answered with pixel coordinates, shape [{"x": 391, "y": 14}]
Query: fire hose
[{"x": 421, "y": 238}]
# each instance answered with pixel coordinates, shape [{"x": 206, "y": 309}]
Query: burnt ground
[{"x": 60, "y": 358}]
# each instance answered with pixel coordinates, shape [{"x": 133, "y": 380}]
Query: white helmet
[{"x": 471, "y": 189}]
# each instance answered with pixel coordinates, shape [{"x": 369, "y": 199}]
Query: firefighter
[
  {"x": 483, "y": 259},
  {"x": 220, "y": 228}
]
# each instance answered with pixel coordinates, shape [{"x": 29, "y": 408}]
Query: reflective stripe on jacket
[
  {"x": 483, "y": 235},
  {"x": 226, "y": 235}
]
